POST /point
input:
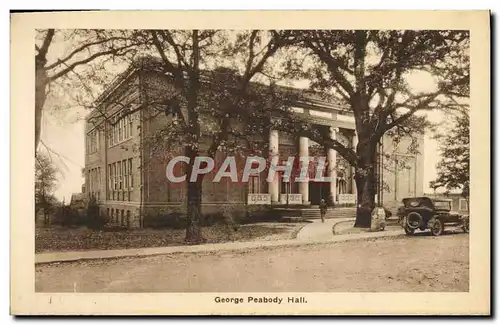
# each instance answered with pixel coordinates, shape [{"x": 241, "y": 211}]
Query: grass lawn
[{"x": 51, "y": 239}]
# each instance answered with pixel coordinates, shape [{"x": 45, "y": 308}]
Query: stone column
[
  {"x": 354, "y": 145},
  {"x": 332, "y": 164},
  {"x": 273, "y": 151},
  {"x": 304, "y": 186}
]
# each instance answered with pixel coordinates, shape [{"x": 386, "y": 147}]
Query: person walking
[{"x": 322, "y": 209}]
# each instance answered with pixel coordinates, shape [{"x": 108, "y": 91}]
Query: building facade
[{"x": 129, "y": 181}]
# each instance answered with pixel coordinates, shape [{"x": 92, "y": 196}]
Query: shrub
[
  {"x": 67, "y": 216},
  {"x": 171, "y": 217},
  {"x": 263, "y": 214}
]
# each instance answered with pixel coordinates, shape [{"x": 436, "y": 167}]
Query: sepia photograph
[{"x": 252, "y": 169}]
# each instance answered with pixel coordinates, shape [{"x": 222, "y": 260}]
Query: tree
[
  {"x": 45, "y": 184},
  {"x": 222, "y": 96},
  {"x": 453, "y": 167},
  {"x": 83, "y": 47},
  {"x": 369, "y": 71}
]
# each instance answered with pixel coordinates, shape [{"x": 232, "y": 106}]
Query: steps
[
  {"x": 341, "y": 213},
  {"x": 313, "y": 213},
  {"x": 310, "y": 213}
]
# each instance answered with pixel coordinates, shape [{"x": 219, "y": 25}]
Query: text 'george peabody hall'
[{"x": 128, "y": 180}]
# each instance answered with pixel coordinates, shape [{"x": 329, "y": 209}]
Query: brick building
[{"x": 130, "y": 184}]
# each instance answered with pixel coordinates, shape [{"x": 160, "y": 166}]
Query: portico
[{"x": 311, "y": 191}]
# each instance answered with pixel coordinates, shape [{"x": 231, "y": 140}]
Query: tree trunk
[
  {"x": 194, "y": 189},
  {"x": 193, "y": 229},
  {"x": 365, "y": 186},
  {"x": 194, "y": 192},
  {"x": 40, "y": 97}
]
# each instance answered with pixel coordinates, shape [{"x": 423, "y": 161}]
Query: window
[
  {"x": 131, "y": 177},
  {"x": 130, "y": 125},
  {"x": 113, "y": 137},
  {"x": 115, "y": 187},
  {"x": 286, "y": 187},
  {"x": 120, "y": 129},
  {"x": 125, "y": 174},
  {"x": 122, "y": 218},
  {"x": 115, "y": 132},
  {"x": 128, "y": 218},
  {"x": 462, "y": 205},
  {"x": 119, "y": 173},
  {"x": 125, "y": 126},
  {"x": 92, "y": 141},
  {"x": 110, "y": 178},
  {"x": 254, "y": 184}
]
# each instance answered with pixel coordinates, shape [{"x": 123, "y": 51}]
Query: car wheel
[
  {"x": 437, "y": 227},
  {"x": 465, "y": 226},
  {"x": 414, "y": 220},
  {"x": 404, "y": 224}
]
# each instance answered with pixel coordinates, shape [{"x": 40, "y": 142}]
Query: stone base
[{"x": 378, "y": 222}]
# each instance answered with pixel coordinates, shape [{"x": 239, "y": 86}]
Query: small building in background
[
  {"x": 458, "y": 202},
  {"x": 78, "y": 201}
]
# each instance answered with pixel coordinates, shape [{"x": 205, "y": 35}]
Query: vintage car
[{"x": 427, "y": 213}]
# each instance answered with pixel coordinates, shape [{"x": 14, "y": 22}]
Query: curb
[
  {"x": 391, "y": 223},
  {"x": 335, "y": 225},
  {"x": 46, "y": 258}
]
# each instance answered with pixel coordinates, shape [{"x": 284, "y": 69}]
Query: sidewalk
[
  {"x": 318, "y": 230},
  {"x": 313, "y": 233}
]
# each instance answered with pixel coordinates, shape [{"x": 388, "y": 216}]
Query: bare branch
[
  {"x": 87, "y": 60},
  {"x": 180, "y": 58},
  {"x": 80, "y": 49}
]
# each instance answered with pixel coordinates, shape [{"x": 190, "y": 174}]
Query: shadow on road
[{"x": 427, "y": 233}]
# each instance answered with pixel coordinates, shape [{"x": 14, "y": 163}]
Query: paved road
[{"x": 419, "y": 263}]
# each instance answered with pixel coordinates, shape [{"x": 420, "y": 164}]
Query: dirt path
[{"x": 420, "y": 263}]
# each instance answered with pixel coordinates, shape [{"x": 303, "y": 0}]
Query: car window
[{"x": 414, "y": 203}]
